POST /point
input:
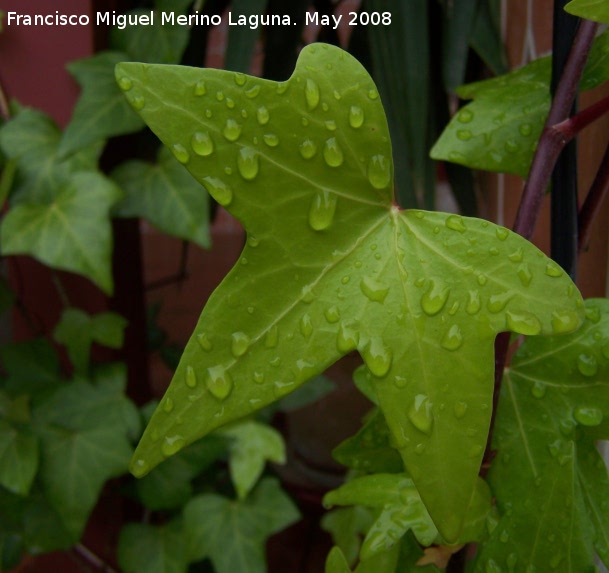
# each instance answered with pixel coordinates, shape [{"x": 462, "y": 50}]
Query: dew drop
[
  {"x": 421, "y": 414},
  {"x": 333, "y": 154},
  {"x": 258, "y": 377},
  {"x": 523, "y": 322},
  {"x": 593, "y": 314},
  {"x": 202, "y": 143},
  {"x": 311, "y": 94},
  {"x": 379, "y": 171},
  {"x": 306, "y": 326},
  {"x": 453, "y": 339},
  {"x": 511, "y": 146},
  {"x": 553, "y": 270},
  {"x": 347, "y": 338},
  {"x": 465, "y": 116},
  {"x": 459, "y": 409},
  {"x": 525, "y": 275},
  {"x": 434, "y": 299},
  {"x": 219, "y": 190},
  {"x": 525, "y": 129},
  {"x": 252, "y": 92},
  {"x": 200, "y": 88},
  {"x": 180, "y": 153},
  {"x": 139, "y": 468},
  {"x": 219, "y": 382},
  {"x": 377, "y": 357},
  {"x": 502, "y": 233},
  {"x": 282, "y": 87},
  {"x": 464, "y": 134},
  {"x": 455, "y": 223},
  {"x": 232, "y": 130},
  {"x": 564, "y": 321},
  {"x": 497, "y": 302},
  {"x": 374, "y": 291},
  {"x": 473, "y": 302},
  {"x": 307, "y": 294},
  {"x": 587, "y": 365},
  {"x": 248, "y": 163},
  {"x": 322, "y": 210},
  {"x": 356, "y": 116},
  {"x": 125, "y": 83},
  {"x": 272, "y": 336},
  {"x": 191, "y": 377},
  {"x": 588, "y": 416},
  {"x": 538, "y": 390},
  {"x": 138, "y": 102},
  {"x": 204, "y": 341},
  {"x": 168, "y": 405},
  {"x": 275, "y": 361},
  {"x": 332, "y": 314},
  {"x": 240, "y": 78},
  {"x": 262, "y": 115},
  {"x": 373, "y": 94},
  {"x": 308, "y": 149},
  {"x": 270, "y": 139},
  {"x": 230, "y": 104},
  {"x": 172, "y": 445},
  {"x": 240, "y": 342},
  {"x": 220, "y": 96},
  {"x": 516, "y": 256}
]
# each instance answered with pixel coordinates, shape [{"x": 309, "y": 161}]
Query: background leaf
[
  {"x": 166, "y": 195},
  {"x": 597, "y": 10},
  {"x": 72, "y": 232}
]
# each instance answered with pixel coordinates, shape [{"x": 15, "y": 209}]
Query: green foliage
[
  {"x": 358, "y": 274},
  {"x": 597, "y": 10},
  {"x": 549, "y": 479},
  {"x": 166, "y": 195},
  {"x": 492, "y": 133},
  {"x": 233, "y": 533}
]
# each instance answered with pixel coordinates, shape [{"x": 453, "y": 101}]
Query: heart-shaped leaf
[
  {"x": 597, "y": 10},
  {"x": 332, "y": 266}
]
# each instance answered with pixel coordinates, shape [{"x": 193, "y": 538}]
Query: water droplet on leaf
[
  {"x": 125, "y": 83},
  {"x": 322, "y": 209},
  {"x": 455, "y": 223},
  {"x": 200, "y": 88},
  {"x": 374, "y": 291},
  {"x": 240, "y": 342},
  {"x": 311, "y": 94},
  {"x": 333, "y": 154},
  {"x": 465, "y": 115},
  {"x": 421, "y": 414},
  {"x": 379, "y": 171},
  {"x": 180, "y": 153},
  {"x": 356, "y": 116},
  {"x": 270, "y": 139},
  {"x": 204, "y": 341},
  {"x": 306, "y": 326},
  {"x": 564, "y": 321},
  {"x": 523, "y": 322},
  {"x": 332, "y": 314},
  {"x": 453, "y": 339},
  {"x": 219, "y": 190},
  {"x": 191, "y": 377},
  {"x": 202, "y": 143},
  {"x": 172, "y": 445},
  {"x": 434, "y": 299},
  {"x": 308, "y": 149},
  {"x": 347, "y": 338},
  {"x": 588, "y": 415},
  {"x": 232, "y": 130},
  {"x": 219, "y": 382},
  {"x": 377, "y": 357},
  {"x": 553, "y": 270},
  {"x": 248, "y": 163}
]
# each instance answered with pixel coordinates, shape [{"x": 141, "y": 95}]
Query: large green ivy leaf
[
  {"x": 101, "y": 111},
  {"x": 72, "y": 232},
  {"x": 166, "y": 195},
  {"x": 331, "y": 266},
  {"x": 77, "y": 331},
  {"x": 233, "y": 533},
  {"x": 146, "y": 548},
  {"x": 550, "y": 482},
  {"x": 251, "y": 444},
  {"x": 597, "y": 10},
  {"x": 31, "y": 139},
  {"x": 494, "y": 133}
]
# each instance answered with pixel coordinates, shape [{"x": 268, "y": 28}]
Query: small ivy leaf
[
  {"x": 597, "y": 10},
  {"x": 233, "y": 533},
  {"x": 306, "y": 166},
  {"x": 31, "y": 139},
  {"x": 549, "y": 480},
  {"x": 336, "y": 562},
  {"x": 166, "y": 195},
  {"x": 251, "y": 444},
  {"x": 146, "y": 548},
  {"x": 72, "y": 232},
  {"x": 100, "y": 112},
  {"x": 18, "y": 457},
  {"x": 161, "y": 43},
  {"x": 77, "y": 330},
  {"x": 492, "y": 133},
  {"x": 348, "y": 526}
]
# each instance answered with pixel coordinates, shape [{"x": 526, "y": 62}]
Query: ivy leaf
[
  {"x": 166, "y": 195},
  {"x": 146, "y": 548},
  {"x": 101, "y": 111},
  {"x": 77, "y": 331},
  {"x": 84, "y": 442},
  {"x": 18, "y": 458},
  {"x": 251, "y": 444},
  {"x": 233, "y": 533},
  {"x": 549, "y": 480},
  {"x": 32, "y": 138},
  {"x": 492, "y": 133},
  {"x": 401, "y": 509},
  {"x": 332, "y": 266},
  {"x": 596, "y": 10},
  {"x": 348, "y": 526},
  {"x": 71, "y": 233}
]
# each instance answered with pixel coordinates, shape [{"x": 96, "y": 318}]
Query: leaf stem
[
  {"x": 551, "y": 140},
  {"x": 92, "y": 559},
  {"x": 594, "y": 200}
]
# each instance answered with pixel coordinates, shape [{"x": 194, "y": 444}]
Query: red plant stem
[
  {"x": 594, "y": 200},
  {"x": 550, "y": 144}
]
